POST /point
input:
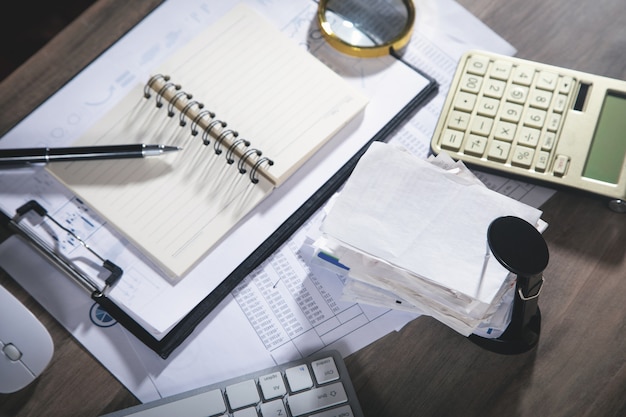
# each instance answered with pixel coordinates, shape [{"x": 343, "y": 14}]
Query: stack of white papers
[{"x": 412, "y": 234}]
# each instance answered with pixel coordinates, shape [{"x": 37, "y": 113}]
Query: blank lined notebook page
[{"x": 247, "y": 106}]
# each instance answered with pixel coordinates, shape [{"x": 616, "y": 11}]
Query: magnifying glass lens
[{"x": 366, "y": 27}]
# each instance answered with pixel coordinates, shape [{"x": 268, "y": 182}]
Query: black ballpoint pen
[{"x": 25, "y": 156}]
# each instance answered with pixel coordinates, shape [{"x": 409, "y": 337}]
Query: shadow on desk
[
  {"x": 578, "y": 215},
  {"x": 445, "y": 376}
]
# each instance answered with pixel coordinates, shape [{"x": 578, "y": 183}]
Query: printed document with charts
[{"x": 247, "y": 105}]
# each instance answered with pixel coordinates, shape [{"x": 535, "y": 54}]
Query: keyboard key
[
  {"x": 246, "y": 412},
  {"x": 274, "y": 408},
  {"x": 299, "y": 378},
  {"x": 272, "y": 386},
  {"x": 325, "y": 370},
  {"x": 335, "y": 398},
  {"x": 343, "y": 411},
  {"x": 242, "y": 394},
  {"x": 317, "y": 399},
  {"x": 205, "y": 404}
]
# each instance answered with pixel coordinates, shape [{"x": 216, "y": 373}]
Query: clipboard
[{"x": 184, "y": 328}]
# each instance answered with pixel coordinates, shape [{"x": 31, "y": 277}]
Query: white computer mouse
[{"x": 25, "y": 345}]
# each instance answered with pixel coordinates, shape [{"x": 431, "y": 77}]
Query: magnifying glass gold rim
[{"x": 395, "y": 44}]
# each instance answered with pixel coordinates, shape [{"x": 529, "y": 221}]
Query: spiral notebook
[{"x": 248, "y": 107}]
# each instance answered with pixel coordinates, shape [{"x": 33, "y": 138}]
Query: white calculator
[{"x": 537, "y": 121}]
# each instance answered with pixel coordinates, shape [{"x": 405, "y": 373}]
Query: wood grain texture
[
  {"x": 426, "y": 369},
  {"x": 66, "y": 54}
]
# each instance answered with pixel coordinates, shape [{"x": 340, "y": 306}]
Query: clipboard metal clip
[{"x": 96, "y": 290}]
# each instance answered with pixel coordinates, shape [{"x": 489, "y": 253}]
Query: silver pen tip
[{"x": 171, "y": 148}]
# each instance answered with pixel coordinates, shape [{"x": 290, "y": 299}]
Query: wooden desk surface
[{"x": 426, "y": 369}]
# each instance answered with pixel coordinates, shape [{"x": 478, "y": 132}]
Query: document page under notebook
[{"x": 271, "y": 92}]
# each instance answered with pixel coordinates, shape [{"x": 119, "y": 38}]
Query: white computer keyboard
[{"x": 318, "y": 386}]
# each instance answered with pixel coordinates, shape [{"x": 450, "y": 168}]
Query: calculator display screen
[{"x": 608, "y": 148}]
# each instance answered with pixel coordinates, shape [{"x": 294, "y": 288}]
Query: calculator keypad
[{"x": 509, "y": 113}]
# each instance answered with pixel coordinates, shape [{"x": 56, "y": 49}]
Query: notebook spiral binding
[{"x": 236, "y": 149}]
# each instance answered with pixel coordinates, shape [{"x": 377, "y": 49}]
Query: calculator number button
[
  {"x": 511, "y": 112},
  {"x": 477, "y": 64},
  {"x": 494, "y": 88},
  {"x": 535, "y": 118},
  {"x": 471, "y": 83},
  {"x": 501, "y": 70},
  {"x": 517, "y": 93},
  {"x": 547, "y": 80},
  {"x": 540, "y": 99},
  {"x": 488, "y": 107},
  {"x": 523, "y": 75}
]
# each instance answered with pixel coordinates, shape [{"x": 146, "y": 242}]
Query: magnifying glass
[{"x": 366, "y": 28}]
